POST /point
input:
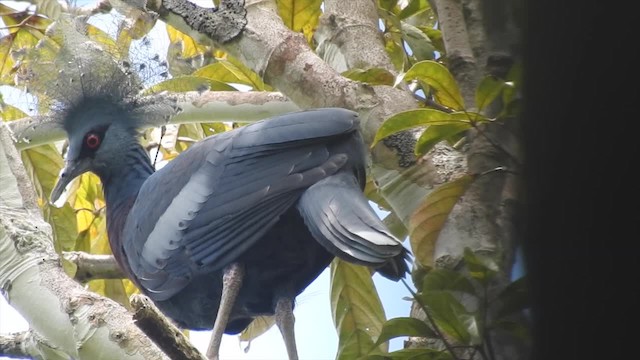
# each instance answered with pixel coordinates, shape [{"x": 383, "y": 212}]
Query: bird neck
[{"x": 124, "y": 179}]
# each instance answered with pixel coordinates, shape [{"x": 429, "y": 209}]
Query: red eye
[{"x": 92, "y": 141}]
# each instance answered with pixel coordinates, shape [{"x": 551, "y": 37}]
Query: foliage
[
  {"x": 415, "y": 47},
  {"x": 459, "y": 330}
]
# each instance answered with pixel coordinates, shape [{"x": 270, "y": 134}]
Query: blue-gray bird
[
  {"x": 269, "y": 205},
  {"x": 239, "y": 224}
]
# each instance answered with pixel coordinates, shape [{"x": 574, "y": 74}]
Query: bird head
[
  {"x": 100, "y": 136},
  {"x": 98, "y": 99}
]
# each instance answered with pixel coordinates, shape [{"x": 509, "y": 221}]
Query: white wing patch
[{"x": 166, "y": 235}]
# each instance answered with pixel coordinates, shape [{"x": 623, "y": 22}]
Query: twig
[
  {"x": 166, "y": 335},
  {"x": 11, "y": 345},
  {"x": 22, "y": 23},
  {"x": 431, "y": 321},
  {"x": 496, "y": 145}
]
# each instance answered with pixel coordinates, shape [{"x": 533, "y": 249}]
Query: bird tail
[{"x": 339, "y": 217}]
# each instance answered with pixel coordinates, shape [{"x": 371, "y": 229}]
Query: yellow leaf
[
  {"x": 372, "y": 76},
  {"x": 229, "y": 72},
  {"x": 300, "y": 15},
  {"x": 189, "y": 83},
  {"x": 83, "y": 200},
  {"x": 258, "y": 326},
  {"x": 427, "y": 221},
  {"x": 190, "y": 47}
]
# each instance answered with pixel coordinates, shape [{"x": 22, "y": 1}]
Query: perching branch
[
  {"x": 93, "y": 266},
  {"x": 28, "y": 344},
  {"x": 13, "y": 345},
  {"x": 166, "y": 335},
  {"x": 208, "y": 106}
]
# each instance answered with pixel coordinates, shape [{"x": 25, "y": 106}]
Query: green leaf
[
  {"x": 395, "y": 225},
  {"x": 387, "y": 4},
  {"x": 413, "y": 8},
  {"x": 189, "y": 83},
  {"x": 427, "y": 221},
  {"x": 480, "y": 267},
  {"x": 435, "y": 36},
  {"x": 355, "y": 345},
  {"x": 418, "y": 273},
  {"x": 488, "y": 90},
  {"x": 447, "y": 280},
  {"x": 414, "y": 118},
  {"x": 373, "y": 76},
  {"x": 300, "y": 15},
  {"x": 437, "y": 76},
  {"x": 418, "y": 41},
  {"x": 372, "y": 193},
  {"x": 451, "y": 317},
  {"x": 64, "y": 225},
  {"x": 228, "y": 72},
  {"x": 437, "y": 133},
  {"x": 395, "y": 50},
  {"x": 404, "y": 326},
  {"x": 514, "y": 298},
  {"x": 83, "y": 241},
  {"x": 357, "y": 311}
]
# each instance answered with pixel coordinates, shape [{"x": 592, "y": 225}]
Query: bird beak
[{"x": 72, "y": 169}]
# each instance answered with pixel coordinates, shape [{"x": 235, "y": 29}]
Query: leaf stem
[
  {"x": 431, "y": 321},
  {"x": 496, "y": 145}
]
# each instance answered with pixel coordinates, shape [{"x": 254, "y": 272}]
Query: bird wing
[
  {"x": 216, "y": 199},
  {"x": 339, "y": 217}
]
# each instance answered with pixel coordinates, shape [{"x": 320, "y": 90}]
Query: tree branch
[
  {"x": 13, "y": 345},
  {"x": 166, "y": 335},
  {"x": 27, "y": 344},
  {"x": 208, "y": 106},
  {"x": 351, "y": 27},
  {"x": 93, "y": 266},
  {"x": 460, "y": 57},
  {"x": 219, "y": 24}
]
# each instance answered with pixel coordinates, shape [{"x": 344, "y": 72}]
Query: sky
[{"x": 315, "y": 333}]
